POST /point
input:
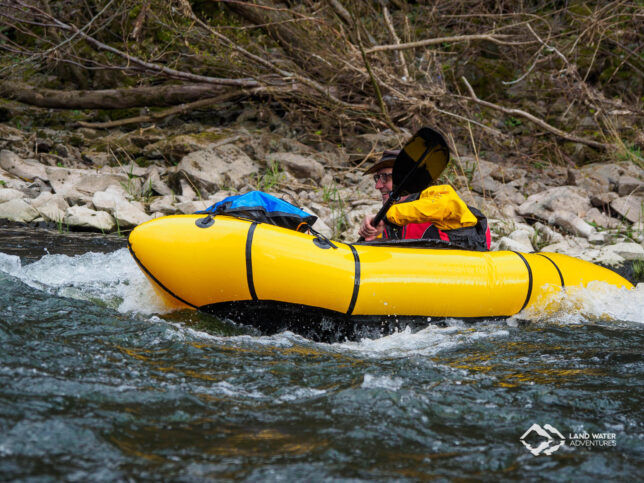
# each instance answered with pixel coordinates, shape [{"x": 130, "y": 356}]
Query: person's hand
[{"x": 369, "y": 232}]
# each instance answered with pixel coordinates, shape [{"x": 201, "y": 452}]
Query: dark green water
[{"x": 96, "y": 385}]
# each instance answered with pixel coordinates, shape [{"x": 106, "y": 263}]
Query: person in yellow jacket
[{"x": 438, "y": 212}]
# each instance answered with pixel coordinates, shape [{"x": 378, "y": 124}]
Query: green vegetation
[
  {"x": 331, "y": 196},
  {"x": 271, "y": 178}
]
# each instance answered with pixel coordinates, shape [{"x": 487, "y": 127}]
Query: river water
[{"x": 98, "y": 383}]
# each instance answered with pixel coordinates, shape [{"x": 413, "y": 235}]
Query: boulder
[
  {"x": 571, "y": 223},
  {"x": 630, "y": 207},
  {"x": 523, "y": 237},
  {"x": 212, "y": 169},
  {"x": 564, "y": 198},
  {"x": 27, "y": 169},
  {"x": 629, "y": 185},
  {"x": 164, "y": 204},
  {"x": 600, "y": 219},
  {"x": 81, "y": 184},
  {"x": 302, "y": 167},
  {"x": 51, "y": 207},
  {"x": 8, "y": 180},
  {"x": 187, "y": 193},
  {"x": 599, "y": 238},
  {"x": 626, "y": 250},
  {"x": 126, "y": 213},
  {"x": 17, "y": 209},
  {"x": 485, "y": 185},
  {"x": 155, "y": 184},
  {"x": 506, "y": 243},
  {"x": 189, "y": 207},
  {"x": 608, "y": 174},
  {"x": 575, "y": 247},
  {"x": 603, "y": 200},
  {"x": 96, "y": 158},
  {"x": 508, "y": 194},
  {"x": 7, "y": 194},
  {"x": 84, "y": 217}
]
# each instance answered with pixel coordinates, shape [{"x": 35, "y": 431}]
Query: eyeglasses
[{"x": 382, "y": 176}]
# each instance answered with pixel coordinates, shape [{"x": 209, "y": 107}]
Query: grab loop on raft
[{"x": 205, "y": 222}]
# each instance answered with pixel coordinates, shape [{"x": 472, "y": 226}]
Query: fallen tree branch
[
  {"x": 342, "y": 12},
  {"x": 496, "y": 38},
  {"x": 156, "y": 116},
  {"x": 392, "y": 31},
  {"x": 539, "y": 122},
  {"x": 166, "y": 95}
]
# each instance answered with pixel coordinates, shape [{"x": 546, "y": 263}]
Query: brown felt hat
[{"x": 386, "y": 161}]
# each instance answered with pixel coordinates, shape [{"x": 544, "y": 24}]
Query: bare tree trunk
[{"x": 166, "y": 95}]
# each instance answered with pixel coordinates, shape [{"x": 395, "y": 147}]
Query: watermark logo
[{"x": 550, "y": 439}]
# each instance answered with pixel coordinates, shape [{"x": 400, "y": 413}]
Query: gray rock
[
  {"x": 189, "y": 207},
  {"x": 485, "y": 185},
  {"x": 8, "y": 180},
  {"x": 84, "y": 217},
  {"x": 575, "y": 247},
  {"x": 628, "y": 185},
  {"x": 630, "y": 207},
  {"x": 126, "y": 213},
  {"x": 27, "y": 169},
  {"x": 508, "y": 194},
  {"x": 155, "y": 184},
  {"x": 595, "y": 216},
  {"x": 51, "y": 207},
  {"x": 18, "y": 209},
  {"x": 599, "y": 238},
  {"x": 603, "y": 200},
  {"x": 601, "y": 177},
  {"x": 301, "y": 167},
  {"x": 79, "y": 185},
  {"x": 506, "y": 243},
  {"x": 571, "y": 223},
  {"x": 164, "y": 204},
  {"x": 523, "y": 237},
  {"x": 223, "y": 166},
  {"x": 187, "y": 193},
  {"x": 628, "y": 251},
  {"x": 565, "y": 198},
  {"x": 7, "y": 194},
  {"x": 96, "y": 158}
]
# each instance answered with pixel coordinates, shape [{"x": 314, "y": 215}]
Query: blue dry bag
[{"x": 264, "y": 208}]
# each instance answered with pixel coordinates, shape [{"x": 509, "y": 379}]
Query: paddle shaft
[{"x": 393, "y": 196}]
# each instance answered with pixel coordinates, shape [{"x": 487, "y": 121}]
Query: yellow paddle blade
[{"x": 423, "y": 158}]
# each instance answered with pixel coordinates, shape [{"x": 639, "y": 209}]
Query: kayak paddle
[{"x": 418, "y": 164}]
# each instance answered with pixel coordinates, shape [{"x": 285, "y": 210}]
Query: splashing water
[{"x": 112, "y": 279}]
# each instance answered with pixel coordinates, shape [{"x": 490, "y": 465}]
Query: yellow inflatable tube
[{"x": 242, "y": 263}]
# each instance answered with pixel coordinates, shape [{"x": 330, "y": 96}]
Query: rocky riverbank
[{"x": 108, "y": 182}]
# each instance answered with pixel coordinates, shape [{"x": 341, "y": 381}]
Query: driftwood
[{"x": 152, "y": 96}]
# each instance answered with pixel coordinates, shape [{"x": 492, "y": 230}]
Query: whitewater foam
[
  {"x": 579, "y": 305},
  {"x": 112, "y": 278}
]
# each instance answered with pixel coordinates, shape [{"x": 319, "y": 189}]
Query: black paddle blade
[{"x": 429, "y": 145}]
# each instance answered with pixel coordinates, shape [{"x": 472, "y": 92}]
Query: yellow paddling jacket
[{"x": 438, "y": 213}]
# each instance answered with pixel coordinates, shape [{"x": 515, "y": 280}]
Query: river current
[{"x": 99, "y": 383}]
